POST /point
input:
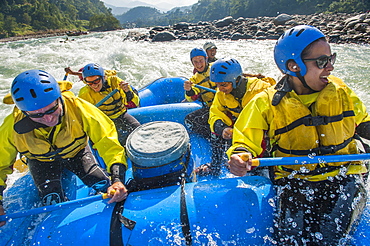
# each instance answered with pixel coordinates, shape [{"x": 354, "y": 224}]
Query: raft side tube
[{"x": 163, "y": 91}]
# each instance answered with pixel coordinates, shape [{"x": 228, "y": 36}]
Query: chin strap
[{"x": 301, "y": 78}]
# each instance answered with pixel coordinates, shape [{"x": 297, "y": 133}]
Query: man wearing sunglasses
[
  {"x": 98, "y": 86},
  {"x": 235, "y": 89},
  {"x": 309, "y": 112},
  {"x": 52, "y": 129}
]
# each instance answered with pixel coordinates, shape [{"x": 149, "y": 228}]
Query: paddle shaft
[
  {"x": 53, "y": 207},
  {"x": 302, "y": 160},
  {"x": 106, "y": 98},
  {"x": 205, "y": 88},
  {"x": 65, "y": 76}
]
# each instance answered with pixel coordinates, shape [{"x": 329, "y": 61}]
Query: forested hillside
[
  {"x": 22, "y": 17},
  {"x": 27, "y": 16},
  {"x": 209, "y": 10}
]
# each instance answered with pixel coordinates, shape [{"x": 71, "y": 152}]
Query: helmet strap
[{"x": 303, "y": 81}]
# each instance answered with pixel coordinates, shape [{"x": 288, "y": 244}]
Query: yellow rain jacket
[
  {"x": 330, "y": 115},
  {"x": 202, "y": 79},
  {"x": 81, "y": 121},
  {"x": 115, "y": 105},
  {"x": 225, "y": 105}
]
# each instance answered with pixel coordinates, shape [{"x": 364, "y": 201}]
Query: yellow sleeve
[
  {"x": 250, "y": 126},
  {"x": 135, "y": 99},
  {"x": 194, "y": 80},
  {"x": 102, "y": 132},
  {"x": 217, "y": 112},
  {"x": 8, "y": 151},
  {"x": 84, "y": 93}
]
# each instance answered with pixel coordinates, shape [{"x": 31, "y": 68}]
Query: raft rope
[{"x": 184, "y": 218}]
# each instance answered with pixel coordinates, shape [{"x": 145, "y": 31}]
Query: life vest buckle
[{"x": 315, "y": 121}]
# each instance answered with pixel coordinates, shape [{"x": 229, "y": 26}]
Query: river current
[{"x": 142, "y": 62}]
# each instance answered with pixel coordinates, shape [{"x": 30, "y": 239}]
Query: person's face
[
  {"x": 48, "y": 115},
  {"x": 199, "y": 63},
  {"x": 317, "y": 78},
  {"x": 95, "y": 82},
  {"x": 211, "y": 53},
  {"x": 225, "y": 87}
]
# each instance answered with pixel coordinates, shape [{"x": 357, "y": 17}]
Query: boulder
[
  {"x": 164, "y": 36},
  {"x": 224, "y": 22},
  {"x": 281, "y": 19}
]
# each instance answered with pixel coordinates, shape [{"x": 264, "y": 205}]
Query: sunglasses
[
  {"x": 40, "y": 115},
  {"x": 94, "y": 82},
  {"x": 225, "y": 84},
  {"x": 322, "y": 61}
]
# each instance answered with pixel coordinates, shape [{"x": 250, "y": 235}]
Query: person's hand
[
  {"x": 2, "y": 212},
  {"x": 124, "y": 86},
  {"x": 68, "y": 70},
  {"x": 117, "y": 192},
  {"x": 188, "y": 85},
  {"x": 227, "y": 133},
  {"x": 240, "y": 164}
]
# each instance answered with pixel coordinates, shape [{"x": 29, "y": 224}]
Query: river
[{"x": 142, "y": 62}]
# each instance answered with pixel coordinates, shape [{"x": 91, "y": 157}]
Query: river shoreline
[{"x": 339, "y": 28}]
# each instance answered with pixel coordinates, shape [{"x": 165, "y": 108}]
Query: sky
[{"x": 175, "y": 3}]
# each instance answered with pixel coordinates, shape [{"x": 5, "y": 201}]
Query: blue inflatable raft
[{"x": 182, "y": 211}]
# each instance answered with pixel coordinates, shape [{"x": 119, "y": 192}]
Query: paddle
[
  {"x": 65, "y": 76},
  {"x": 205, "y": 88},
  {"x": 53, "y": 207},
  {"x": 106, "y": 98},
  {"x": 301, "y": 160}
]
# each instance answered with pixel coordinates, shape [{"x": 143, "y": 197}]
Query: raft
[{"x": 227, "y": 210}]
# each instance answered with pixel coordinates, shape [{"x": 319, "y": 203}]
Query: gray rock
[
  {"x": 180, "y": 26},
  {"x": 224, "y": 22},
  {"x": 281, "y": 19},
  {"x": 164, "y": 36}
]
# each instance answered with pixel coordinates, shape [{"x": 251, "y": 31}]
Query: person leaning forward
[
  {"x": 308, "y": 112},
  {"x": 52, "y": 129},
  {"x": 235, "y": 90}
]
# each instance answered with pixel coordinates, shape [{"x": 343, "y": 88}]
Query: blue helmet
[
  {"x": 34, "y": 89},
  {"x": 197, "y": 52},
  {"x": 225, "y": 70},
  {"x": 92, "y": 69},
  {"x": 291, "y": 44}
]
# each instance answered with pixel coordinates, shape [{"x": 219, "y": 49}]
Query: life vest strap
[
  {"x": 310, "y": 120},
  {"x": 322, "y": 150}
]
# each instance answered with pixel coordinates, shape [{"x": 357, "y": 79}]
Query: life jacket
[
  {"x": 227, "y": 107},
  {"x": 327, "y": 127},
  {"x": 115, "y": 105},
  {"x": 202, "y": 79},
  {"x": 62, "y": 141}
]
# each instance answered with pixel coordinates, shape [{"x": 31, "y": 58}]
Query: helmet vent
[
  {"x": 19, "y": 99},
  {"x": 299, "y": 33},
  {"x": 291, "y": 31},
  {"x": 33, "y": 93},
  {"x": 221, "y": 72},
  {"x": 224, "y": 67},
  {"x": 15, "y": 91},
  {"x": 48, "y": 89}
]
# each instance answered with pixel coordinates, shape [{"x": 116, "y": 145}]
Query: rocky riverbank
[{"x": 339, "y": 28}]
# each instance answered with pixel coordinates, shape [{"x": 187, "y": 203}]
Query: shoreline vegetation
[{"x": 339, "y": 28}]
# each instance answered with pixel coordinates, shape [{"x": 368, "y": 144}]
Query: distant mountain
[
  {"x": 182, "y": 9},
  {"x": 162, "y": 6},
  {"x": 117, "y": 10}
]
